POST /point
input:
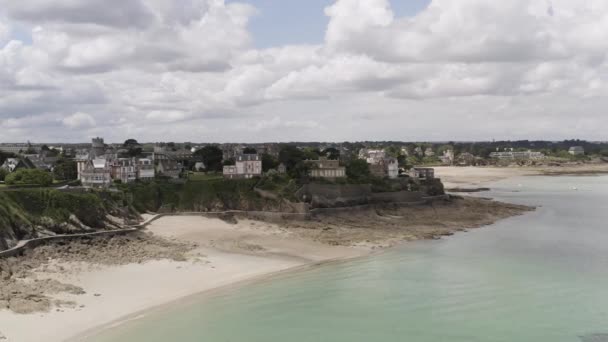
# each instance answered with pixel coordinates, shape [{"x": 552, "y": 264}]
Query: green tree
[
  {"x": 133, "y": 147},
  {"x": 393, "y": 151},
  {"x": 3, "y": 174},
  {"x": 212, "y": 156},
  {"x": 249, "y": 150},
  {"x": 332, "y": 153},
  {"x": 65, "y": 170},
  {"x": 269, "y": 162},
  {"x": 290, "y": 156},
  {"x": 311, "y": 153},
  {"x": 29, "y": 177},
  {"x": 358, "y": 170}
]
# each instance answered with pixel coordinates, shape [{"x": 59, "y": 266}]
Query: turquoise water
[{"x": 540, "y": 277}]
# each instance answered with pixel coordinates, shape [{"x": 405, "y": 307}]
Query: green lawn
[{"x": 202, "y": 176}]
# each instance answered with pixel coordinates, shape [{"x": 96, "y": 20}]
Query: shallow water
[{"x": 539, "y": 277}]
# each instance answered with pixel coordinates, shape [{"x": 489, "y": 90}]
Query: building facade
[
  {"x": 422, "y": 173},
  {"x": 97, "y": 173},
  {"x": 326, "y": 168},
  {"x": 246, "y": 166},
  {"x": 577, "y": 151}
]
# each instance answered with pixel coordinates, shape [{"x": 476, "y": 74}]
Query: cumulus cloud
[
  {"x": 79, "y": 120},
  {"x": 187, "y": 70}
]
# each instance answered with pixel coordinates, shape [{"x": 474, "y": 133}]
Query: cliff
[{"x": 32, "y": 213}]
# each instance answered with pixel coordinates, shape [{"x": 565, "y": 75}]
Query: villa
[{"x": 246, "y": 166}]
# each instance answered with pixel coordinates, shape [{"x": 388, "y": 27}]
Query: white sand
[
  {"x": 475, "y": 177},
  {"x": 234, "y": 253}
]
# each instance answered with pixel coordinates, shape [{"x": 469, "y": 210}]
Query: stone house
[
  {"x": 326, "y": 168},
  {"x": 422, "y": 173},
  {"x": 96, "y": 173},
  {"x": 124, "y": 169},
  {"x": 169, "y": 168},
  {"x": 246, "y": 166}
]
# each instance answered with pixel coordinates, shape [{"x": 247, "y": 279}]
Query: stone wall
[
  {"x": 328, "y": 196},
  {"x": 400, "y": 196}
]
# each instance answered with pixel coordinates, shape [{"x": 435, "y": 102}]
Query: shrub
[{"x": 29, "y": 177}]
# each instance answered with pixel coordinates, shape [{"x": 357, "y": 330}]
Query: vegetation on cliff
[{"x": 31, "y": 213}]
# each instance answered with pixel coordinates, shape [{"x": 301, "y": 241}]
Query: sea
[{"x": 540, "y": 277}]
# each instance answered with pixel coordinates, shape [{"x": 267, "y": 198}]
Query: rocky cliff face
[{"x": 27, "y": 214}]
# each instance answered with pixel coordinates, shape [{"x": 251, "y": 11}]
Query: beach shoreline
[{"x": 227, "y": 255}]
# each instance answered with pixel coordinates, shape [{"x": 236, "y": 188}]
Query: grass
[{"x": 202, "y": 176}]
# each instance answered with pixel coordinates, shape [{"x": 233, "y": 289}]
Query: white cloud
[
  {"x": 79, "y": 120},
  {"x": 186, "y": 70}
]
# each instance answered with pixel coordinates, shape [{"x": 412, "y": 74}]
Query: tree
[
  {"x": 29, "y": 177},
  {"x": 129, "y": 143},
  {"x": 290, "y": 156},
  {"x": 4, "y": 156},
  {"x": 311, "y": 153},
  {"x": 332, "y": 153},
  {"x": 249, "y": 150},
  {"x": 300, "y": 171},
  {"x": 212, "y": 157},
  {"x": 269, "y": 162},
  {"x": 65, "y": 170},
  {"x": 3, "y": 174},
  {"x": 133, "y": 147},
  {"x": 358, "y": 170}
]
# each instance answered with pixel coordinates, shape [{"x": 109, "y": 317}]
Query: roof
[
  {"x": 577, "y": 148},
  {"x": 99, "y": 163}
]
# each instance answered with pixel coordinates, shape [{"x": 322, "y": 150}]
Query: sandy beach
[
  {"x": 96, "y": 286},
  {"x": 476, "y": 177},
  {"x": 226, "y": 254}
]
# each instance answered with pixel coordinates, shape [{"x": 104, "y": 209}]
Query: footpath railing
[{"x": 32, "y": 243}]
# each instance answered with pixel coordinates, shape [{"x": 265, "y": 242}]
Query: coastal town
[
  {"x": 183, "y": 211},
  {"x": 101, "y": 165}
]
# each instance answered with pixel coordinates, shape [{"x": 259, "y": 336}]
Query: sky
[{"x": 292, "y": 70}]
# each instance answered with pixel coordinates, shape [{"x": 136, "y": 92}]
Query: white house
[
  {"x": 145, "y": 169},
  {"x": 576, "y": 151},
  {"x": 392, "y": 167},
  {"x": 246, "y": 166}
]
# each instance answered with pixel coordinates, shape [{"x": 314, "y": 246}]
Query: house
[
  {"x": 282, "y": 169},
  {"x": 125, "y": 170},
  {"x": 372, "y": 156},
  {"x": 429, "y": 152},
  {"x": 97, "y": 173},
  {"x": 422, "y": 173},
  {"x": 81, "y": 161},
  {"x": 145, "y": 169},
  {"x": 199, "y": 166},
  {"x": 169, "y": 168},
  {"x": 38, "y": 161},
  {"x": 466, "y": 159},
  {"x": 577, "y": 151},
  {"x": 246, "y": 166},
  {"x": 14, "y": 164},
  {"x": 386, "y": 167},
  {"x": 392, "y": 167},
  {"x": 326, "y": 168},
  {"x": 447, "y": 158},
  {"x": 512, "y": 155}
]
